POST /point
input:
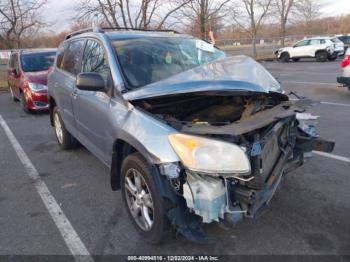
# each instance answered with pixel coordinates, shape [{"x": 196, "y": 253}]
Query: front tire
[
  {"x": 322, "y": 56},
  {"x": 332, "y": 57},
  {"x": 143, "y": 201},
  {"x": 23, "y": 103},
  {"x": 64, "y": 138},
  {"x": 285, "y": 57}
]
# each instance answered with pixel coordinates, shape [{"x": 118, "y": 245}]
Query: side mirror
[{"x": 90, "y": 82}]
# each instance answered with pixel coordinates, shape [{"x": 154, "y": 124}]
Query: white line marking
[
  {"x": 336, "y": 157},
  {"x": 324, "y": 103},
  {"x": 335, "y": 104},
  {"x": 74, "y": 243},
  {"x": 310, "y": 83}
]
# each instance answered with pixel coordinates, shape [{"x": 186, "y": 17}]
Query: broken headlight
[{"x": 210, "y": 156}]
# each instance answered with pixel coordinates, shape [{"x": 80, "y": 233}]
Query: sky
[{"x": 60, "y": 12}]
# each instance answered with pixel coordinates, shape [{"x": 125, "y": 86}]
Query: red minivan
[{"x": 27, "y": 77}]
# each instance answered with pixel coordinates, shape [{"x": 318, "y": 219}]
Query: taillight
[{"x": 345, "y": 62}]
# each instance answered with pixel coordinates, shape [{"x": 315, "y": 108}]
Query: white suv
[
  {"x": 345, "y": 78},
  {"x": 321, "y": 48}
]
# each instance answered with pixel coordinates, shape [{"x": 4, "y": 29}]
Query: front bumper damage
[{"x": 196, "y": 198}]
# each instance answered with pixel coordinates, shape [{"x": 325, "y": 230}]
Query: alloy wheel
[
  {"x": 58, "y": 128},
  {"x": 139, "y": 199}
]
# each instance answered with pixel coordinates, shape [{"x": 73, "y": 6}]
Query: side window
[
  {"x": 95, "y": 60},
  {"x": 323, "y": 41},
  {"x": 302, "y": 43},
  {"x": 15, "y": 64},
  {"x": 60, "y": 52},
  {"x": 71, "y": 58},
  {"x": 10, "y": 64},
  {"x": 314, "y": 42}
]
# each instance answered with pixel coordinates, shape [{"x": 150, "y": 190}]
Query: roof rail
[
  {"x": 140, "y": 29},
  {"x": 85, "y": 30},
  {"x": 103, "y": 29}
]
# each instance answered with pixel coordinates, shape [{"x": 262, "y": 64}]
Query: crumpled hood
[
  {"x": 37, "y": 77},
  {"x": 236, "y": 73}
]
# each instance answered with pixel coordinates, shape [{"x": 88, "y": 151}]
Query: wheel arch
[
  {"x": 320, "y": 50},
  {"x": 121, "y": 149}
]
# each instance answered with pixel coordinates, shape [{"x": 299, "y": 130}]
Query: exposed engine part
[
  {"x": 206, "y": 196},
  {"x": 216, "y": 110}
]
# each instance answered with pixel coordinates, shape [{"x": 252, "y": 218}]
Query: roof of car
[{"x": 318, "y": 37}]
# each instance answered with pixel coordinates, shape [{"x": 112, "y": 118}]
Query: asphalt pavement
[{"x": 309, "y": 215}]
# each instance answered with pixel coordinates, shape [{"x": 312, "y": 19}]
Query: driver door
[
  {"x": 91, "y": 109},
  {"x": 300, "y": 49}
]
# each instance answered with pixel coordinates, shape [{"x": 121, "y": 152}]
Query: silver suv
[{"x": 191, "y": 136}]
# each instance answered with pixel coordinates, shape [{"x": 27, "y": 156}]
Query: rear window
[
  {"x": 316, "y": 42},
  {"x": 71, "y": 57},
  {"x": 344, "y": 39},
  {"x": 35, "y": 62},
  {"x": 335, "y": 40}
]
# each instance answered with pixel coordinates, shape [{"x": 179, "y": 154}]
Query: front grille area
[
  {"x": 40, "y": 104},
  {"x": 272, "y": 146}
]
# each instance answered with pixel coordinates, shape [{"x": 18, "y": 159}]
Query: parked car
[
  {"x": 345, "y": 39},
  {"x": 27, "y": 77},
  {"x": 321, "y": 48},
  {"x": 338, "y": 46},
  {"x": 345, "y": 78},
  {"x": 190, "y": 134}
]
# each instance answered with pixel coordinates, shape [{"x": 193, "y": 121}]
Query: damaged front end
[
  {"x": 236, "y": 135},
  {"x": 271, "y": 138}
]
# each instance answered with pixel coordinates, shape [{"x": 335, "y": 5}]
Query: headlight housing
[
  {"x": 210, "y": 156},
  {"x": 37, "y": 87}
]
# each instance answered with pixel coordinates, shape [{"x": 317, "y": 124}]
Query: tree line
[{"x": 21, "y": 22}]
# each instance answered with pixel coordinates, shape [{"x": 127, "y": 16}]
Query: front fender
[{"x": 144, "y": 132}]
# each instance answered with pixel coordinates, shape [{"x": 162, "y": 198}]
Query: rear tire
[
  {"x": 23, "y": 103},
  {"x": 143, "y": 201},
  {"x": 64, "y": 138},
  {"x": 285, "y": 57},
  {"x": 321, "y": 56},
  {"x": 332, "y": 57}
]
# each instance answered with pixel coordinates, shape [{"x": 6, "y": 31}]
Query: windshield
[
  {"x": 37, "y": 61},
  {"x": 148, "y": 60},
  {"x": 335, "y": 40}
]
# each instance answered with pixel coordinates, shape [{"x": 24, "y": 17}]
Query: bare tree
[
  {"x": 18, "y": 17},
  {"x": 284, "y": 8},
  {"x": 205, "y": 14},
  {"x": 250, "y": 17},
  {"x": 130, "y": 13},
  {"x": 308, "y": 12}
]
